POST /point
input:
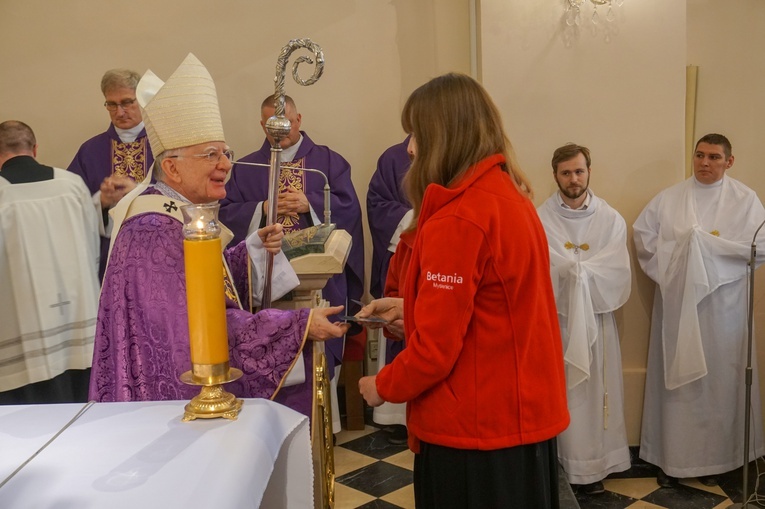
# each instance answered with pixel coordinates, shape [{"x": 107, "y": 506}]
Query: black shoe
[
  {"x": 709, "y": 480},
  {"x": 664, "y": 480},
  {"x": 594, "y": 488},
  {"x": 398, "y": 435}
]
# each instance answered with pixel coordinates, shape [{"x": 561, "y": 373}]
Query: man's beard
[{"x": 573, "y": 196}]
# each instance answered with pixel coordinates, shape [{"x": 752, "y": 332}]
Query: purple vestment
[
  {"x": 386, "y": 206},
  {"x": 142, "y": 334},
  {"x": 249, "y": 186},
  {"x": 104, "y": 155}
]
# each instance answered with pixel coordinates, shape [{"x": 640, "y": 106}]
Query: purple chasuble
[
  {"x": 386, "y": 206},
  {"x": 142, "y": 332},
  {"x": 104, "y": 155},
  {"x": 249, "y": 186}
]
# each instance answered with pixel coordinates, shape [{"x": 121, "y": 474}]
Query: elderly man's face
[
  {"x": 294, "y": 118},
  {"x": 124, "y": 113},
  {"x": 710, "y": 163},
  {"x": 199, "y": 178}
]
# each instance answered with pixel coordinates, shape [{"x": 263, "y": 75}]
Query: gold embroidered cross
[
  {"x": 715, "y": 233},
  {"x": 571, "y": 245}
]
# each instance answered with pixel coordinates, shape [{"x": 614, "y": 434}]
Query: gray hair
[
  {"x": 119, "y": 78},
  {"x": 159, "y": 175},
  {"x": 16, "y": 138}
]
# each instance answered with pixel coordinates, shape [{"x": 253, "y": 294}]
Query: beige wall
[
  {"x": 376, "y": 53},
  {"x": 618, "y": 89}
]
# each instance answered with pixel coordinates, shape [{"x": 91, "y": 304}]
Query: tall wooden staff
[{"x": 278, "y": 127}]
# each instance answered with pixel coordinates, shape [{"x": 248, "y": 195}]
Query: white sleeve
[
  {"x": 257, "y": 217},
  {"x": 402, "y": 225},
  {"x": 284, "y": 278}
]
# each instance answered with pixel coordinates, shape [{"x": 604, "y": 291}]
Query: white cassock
[
  {"x": 590, "y": 269},
  {"x": 694, "y": 241},
  {"x": 49, "y": 249}
]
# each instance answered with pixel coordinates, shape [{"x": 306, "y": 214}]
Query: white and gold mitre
[{"x": 182, "y": 111}]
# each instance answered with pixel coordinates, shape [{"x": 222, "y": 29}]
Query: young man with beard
[{"x": 591, "y": 278}]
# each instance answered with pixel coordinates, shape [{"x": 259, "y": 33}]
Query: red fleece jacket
[{"x": 483, "y": 365}]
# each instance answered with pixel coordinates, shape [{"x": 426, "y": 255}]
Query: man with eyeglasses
[
  {"x": 301, "y": 195},
  {"x": 142, "y": 336},
  {"x": 112, "y": 162}
]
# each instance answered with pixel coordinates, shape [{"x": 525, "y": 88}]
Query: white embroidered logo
[{"x": 444, "y": 281}]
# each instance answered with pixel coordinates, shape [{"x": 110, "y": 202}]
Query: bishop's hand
[
  {"x": 321, "y": 329},
  {"x": 271, "y": 237}
]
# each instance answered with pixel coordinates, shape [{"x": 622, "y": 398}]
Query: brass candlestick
[
  {"x": 213, "y": 400},
  {"x": 206, "y": 303}
]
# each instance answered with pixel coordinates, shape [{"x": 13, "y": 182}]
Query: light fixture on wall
[{"x": 574, "y": 14}]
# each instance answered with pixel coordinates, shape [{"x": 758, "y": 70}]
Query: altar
[{"x": 140, "y": 454}]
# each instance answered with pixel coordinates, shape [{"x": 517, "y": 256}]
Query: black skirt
[{"x": 524, "y": 477}]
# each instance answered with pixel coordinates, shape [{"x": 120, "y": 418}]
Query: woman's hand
[
  {"x": 271, "y": 237},
  {"x": 389, "y": 309},
  {"x": 321, "y": 329},
  {"x": 368, "y": 389},
  {"x": 395, "y": 329}
]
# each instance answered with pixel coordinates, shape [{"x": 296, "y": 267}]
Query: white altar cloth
[{"x": 140, "y": 455}]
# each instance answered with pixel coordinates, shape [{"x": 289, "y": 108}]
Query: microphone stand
[
  {"x": 748, "y": 381},
  {"x": 327, "y": 212}
]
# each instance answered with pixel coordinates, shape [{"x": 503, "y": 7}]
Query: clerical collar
[
  {"x": 288, "y": 154},
  {"x": 170, "y": 192},
  {"x": 584, "y": 205},
  {"x": 129, "y": 135}
]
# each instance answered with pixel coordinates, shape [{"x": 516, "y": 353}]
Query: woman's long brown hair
[{"x": 455, "y": 124}]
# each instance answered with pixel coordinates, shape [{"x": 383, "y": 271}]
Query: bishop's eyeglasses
[{"x": 212, "y": 157}]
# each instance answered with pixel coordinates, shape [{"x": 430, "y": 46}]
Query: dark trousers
[
  {"x": 523, "y": 477},
  {"x": 68, "y": 387}
]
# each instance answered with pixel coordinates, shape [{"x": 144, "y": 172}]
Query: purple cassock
[
  {"x": 249, "y": 186},
  {"x": 386, "y": 206},
  {"x": 142, "y": 333},
  {"x": 104, "y": 155}
]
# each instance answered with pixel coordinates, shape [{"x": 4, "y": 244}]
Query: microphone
[{"x": 327, "y": 212}]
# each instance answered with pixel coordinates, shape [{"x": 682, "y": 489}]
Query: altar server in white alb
[
  {"x": 48, "y": 276},
  {"x": 693, "y": 239},
  {"x": 591, "y": 278}
]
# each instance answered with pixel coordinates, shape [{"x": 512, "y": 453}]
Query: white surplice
[
  {"x": 49, "y": 248},
  {"x": 591, "y": 278},
  {"x": 694, "y": 241}
]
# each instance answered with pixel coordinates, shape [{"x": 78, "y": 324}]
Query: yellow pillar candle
[{"x": 206, "y": 301}]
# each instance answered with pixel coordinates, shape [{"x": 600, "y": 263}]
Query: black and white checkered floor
[{"x": 372, "y": 473}]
